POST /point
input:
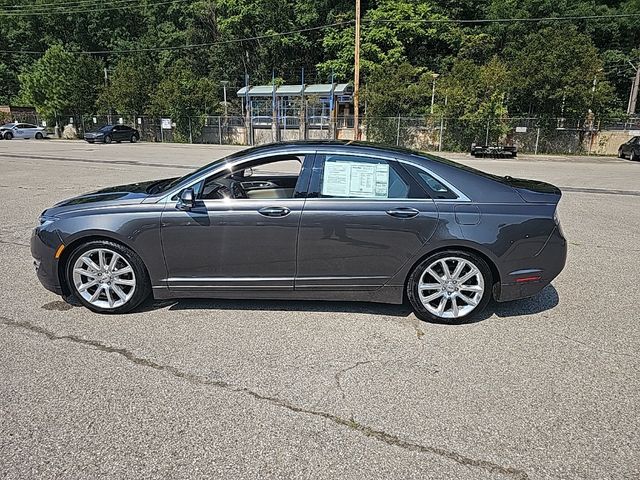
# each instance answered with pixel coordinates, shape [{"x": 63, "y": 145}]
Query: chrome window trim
[{"x": 325, "y": 151}]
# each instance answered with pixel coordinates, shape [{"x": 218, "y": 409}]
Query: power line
[
  {"x": 195, "y": 45},
  {"x": 73, "y": 4},
  {"x": 504, "y": 20},
  {"x": 94, "y": 10}
]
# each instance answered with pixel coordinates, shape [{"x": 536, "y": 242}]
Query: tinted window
[
  {"x": 106, "y": 128},
  {"x": 345, "y": 176},
  {"x": 434, "y": 187}
]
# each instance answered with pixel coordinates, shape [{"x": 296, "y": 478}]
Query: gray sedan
[{"x": 309, "y": 220}]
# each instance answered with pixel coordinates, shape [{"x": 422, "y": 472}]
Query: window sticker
[{"x": 355, "y": 179}]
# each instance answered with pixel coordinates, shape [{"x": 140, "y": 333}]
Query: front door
[
  {"x": 241, "y": 235},
  {"x": 364, "y": 219}
]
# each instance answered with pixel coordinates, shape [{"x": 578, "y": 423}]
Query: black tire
[
  {"x": 620, "y": 154},
  {"x": 142, "y": 287},
  {"x": 107, "y": 139},
  {"x": 414, "y": 297},
  {"x": 634, "y": 157},
  {"x": 8, "y": 136},
  {"x": 134, "y": 138},
  {"x": 39, "y": 136}
]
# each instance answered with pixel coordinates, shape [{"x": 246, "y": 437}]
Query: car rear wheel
[
  {"x": 107, "y": 277},
  {"x": 107, "y": 139},
  {"x": 134, "y": 138},
  {"x": 38, "y": 136},
  {"x": 450, "y": 287},
  {"x": 8, "y": 136}
]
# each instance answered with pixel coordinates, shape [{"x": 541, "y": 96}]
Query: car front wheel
[
  {"x": 107, "y": 139},
  {"x": 107, "y": 277},
  {"x": 634, "y": 156},
  {"x": 450, "y": 287},
  {"x": 620, "y": 153},
  {"x": 8, "y": 136}
]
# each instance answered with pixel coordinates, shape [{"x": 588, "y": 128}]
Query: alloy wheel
[
  {"x": 104, "y": 278},
  {"x": 451, "y": 287}
]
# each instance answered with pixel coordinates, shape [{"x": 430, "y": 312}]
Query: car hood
[{"x": 122, "y": 194}]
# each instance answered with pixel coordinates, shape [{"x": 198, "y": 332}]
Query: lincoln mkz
[{"x": 308, "y": 221}]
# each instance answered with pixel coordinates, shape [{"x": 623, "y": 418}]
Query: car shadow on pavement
[{"x": 547, "y": 299}]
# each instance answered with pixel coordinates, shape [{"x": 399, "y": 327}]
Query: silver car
[{"x": 10, "y": 131}]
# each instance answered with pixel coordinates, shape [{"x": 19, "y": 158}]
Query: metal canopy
[{"x": 296, "y": 90}]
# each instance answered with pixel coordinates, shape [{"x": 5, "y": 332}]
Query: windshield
[
  {"x": 7, "y": 125},
  {"x": 165, "y": 187}
]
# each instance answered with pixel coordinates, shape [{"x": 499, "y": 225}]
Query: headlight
[{"x": 47, "y": 219}]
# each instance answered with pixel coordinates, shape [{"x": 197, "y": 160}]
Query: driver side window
[{"x": 268, "y": 178}]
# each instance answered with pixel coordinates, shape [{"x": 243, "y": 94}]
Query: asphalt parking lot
[{"x": 547, "y": 387}]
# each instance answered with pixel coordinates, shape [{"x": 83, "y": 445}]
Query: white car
[{"x": 10, "y": 131}]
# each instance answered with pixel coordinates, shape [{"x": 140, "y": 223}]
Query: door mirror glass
[{"x": 187, "y": 200}]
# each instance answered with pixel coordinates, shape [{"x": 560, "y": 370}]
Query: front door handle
[
  {"x": 403, "y": 212},
  {"x": 274, "y": 211}
]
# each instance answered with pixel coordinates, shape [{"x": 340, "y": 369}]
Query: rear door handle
[
  {"x": 274, "y": 211},
  {"x": 403, "y": 212}
]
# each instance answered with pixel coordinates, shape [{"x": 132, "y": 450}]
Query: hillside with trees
[{"x": 169, "y": 56}]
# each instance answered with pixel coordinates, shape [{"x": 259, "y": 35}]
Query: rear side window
[
  {"x": 436, "y": 189},
  {"x": 349, "y": 176}
]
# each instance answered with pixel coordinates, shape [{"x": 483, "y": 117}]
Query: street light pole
[
  {"x": 224, "y": 87},
  {"x": 433, "y": 90},
  {"x": 356, "y": 76}
]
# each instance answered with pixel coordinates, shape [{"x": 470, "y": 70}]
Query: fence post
[
  {"x": 398, "y": 132},
  {"x": 161, "y": 132},
  {"x": 219, "y": 131},
  {"x": 190, "y": 134},
  {"x": 441, "y": 131},
  {"x": 537, "y": 140}
]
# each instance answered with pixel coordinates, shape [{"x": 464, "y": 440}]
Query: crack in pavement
[
  {"x": 8, "y": 242},
  {"x": 591, "y": 347},
  {"x": 108, "y": 162},
  {"x": 341, "y": 372},
  {"x": 370, "y": 432}
]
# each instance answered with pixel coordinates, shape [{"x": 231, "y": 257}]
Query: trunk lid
[{"x": 534, "y": 191}]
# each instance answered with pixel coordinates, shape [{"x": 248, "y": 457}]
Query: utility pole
[
  {"x": 356, "y": 76},
  {"x": 633, "y": 97}
]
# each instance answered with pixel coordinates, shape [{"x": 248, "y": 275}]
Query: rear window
[{"x": 435, "y": 188}]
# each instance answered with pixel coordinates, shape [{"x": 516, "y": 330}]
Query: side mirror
[{"x": 187, "y": 200}]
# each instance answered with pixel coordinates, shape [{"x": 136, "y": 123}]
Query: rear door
[{"x": 364, "y": 218}]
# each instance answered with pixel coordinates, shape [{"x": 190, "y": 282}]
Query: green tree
[
  {"x": 61, "y": 82},
  {"x": 553, "y": 75},
  {"x": 131, "y": 86},
  {"x": 185, "y": 97}
]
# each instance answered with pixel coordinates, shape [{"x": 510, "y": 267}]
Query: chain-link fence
[{"x": 430, "y": 133}]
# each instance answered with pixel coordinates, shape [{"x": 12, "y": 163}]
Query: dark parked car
[
  {"x": 308, "y": 220},
  {"x": 630, "y": 149},
  {"x": 113, "y": 133}
]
